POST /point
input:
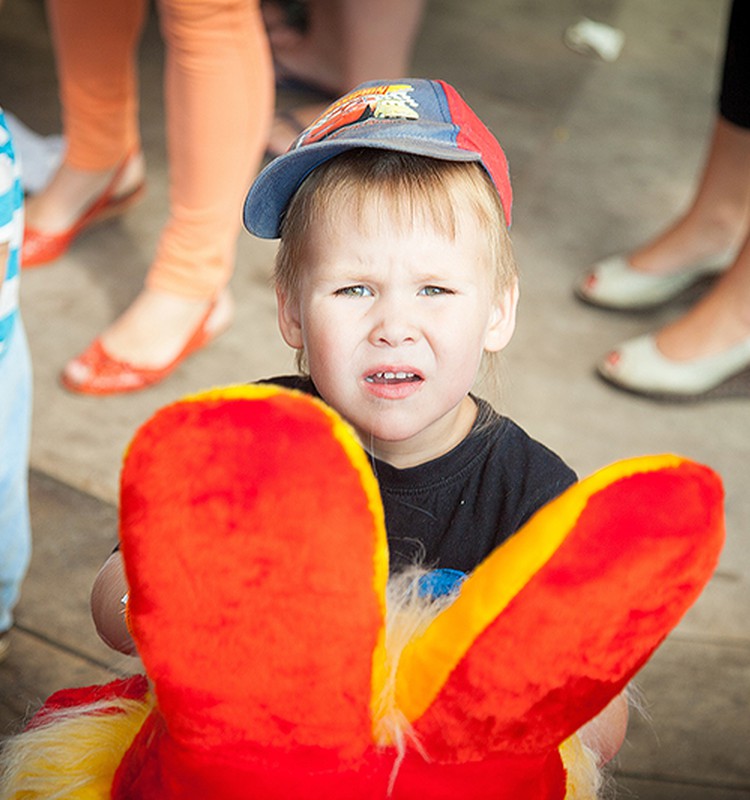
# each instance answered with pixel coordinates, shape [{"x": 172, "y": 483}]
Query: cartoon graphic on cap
[{"x": 389, "y": 101}]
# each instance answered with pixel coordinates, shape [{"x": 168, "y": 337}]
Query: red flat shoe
[
  {"x": 98, "y": 373},
  {"x": 41, "y": 248}
]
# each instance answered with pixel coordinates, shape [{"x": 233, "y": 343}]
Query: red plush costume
[{"x": 255, "y": 550}]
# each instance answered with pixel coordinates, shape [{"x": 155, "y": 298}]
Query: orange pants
[{"x": 218, "y": 92}]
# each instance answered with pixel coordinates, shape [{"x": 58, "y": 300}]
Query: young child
[
  {"x": 395, "y": 278},
  {"x": 15, "y": 395}
]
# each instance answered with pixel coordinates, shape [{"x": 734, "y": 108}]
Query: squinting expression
[{"x": 394, "y": 321}]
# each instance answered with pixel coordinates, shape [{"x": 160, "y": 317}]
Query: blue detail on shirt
[
  {"x": 11, "y": 232},
  {"x": 441, "y": 582}
]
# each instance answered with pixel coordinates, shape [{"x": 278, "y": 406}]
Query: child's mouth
[{"x": 393, "y": 377}]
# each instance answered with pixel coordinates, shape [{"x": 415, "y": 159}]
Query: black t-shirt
[{"x": 452, "y": 512}]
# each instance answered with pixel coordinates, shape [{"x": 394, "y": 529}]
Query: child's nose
[{"x": 394, "y": 324}]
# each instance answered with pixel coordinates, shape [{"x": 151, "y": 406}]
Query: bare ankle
[
  {"x": 693, "y": 239},
  {"x": 72, "y": 190}
]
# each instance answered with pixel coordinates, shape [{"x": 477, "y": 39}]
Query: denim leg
[{"x": 15, "y": 424}]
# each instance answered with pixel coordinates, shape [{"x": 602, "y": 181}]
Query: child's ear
[
  {"x": 502, "y": 319},
  {"x": 288, "y": 313}
]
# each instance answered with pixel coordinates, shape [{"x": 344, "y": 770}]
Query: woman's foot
[
  {"x": 718, "y": 219},
  {"x": 718, "y": 322},
  {"x": 695, "y": 249},
  {"x": 71, "y": 191},
  {"x": 638, "y": 366},
  {"x": 73, "y": 201},
  {"x": 614, "y": 284},
  {"x": 691, "y": 240},
  {"x": 154, "y": 335},
  {"x": 711, "y": 230},
  {"x": 305, "y": 61},
  {"x": 706, "y": 352},
  {"x": 156, "y": 326}
]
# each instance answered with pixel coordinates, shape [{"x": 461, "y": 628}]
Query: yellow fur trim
[
  {"x": 428, "y": 660},
  {"x": 584, "y": 778},
  {"x": 408, "y": 613},
  {"x": 237, "y": 391},
  {"x": 74, "y": 756},
  {"x": 359, "y": 459}
]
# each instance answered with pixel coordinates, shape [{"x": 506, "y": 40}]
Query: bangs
[{"x": 388, "y": 192}]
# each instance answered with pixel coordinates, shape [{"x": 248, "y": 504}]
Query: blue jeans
[{"x": 15, "y": 426}]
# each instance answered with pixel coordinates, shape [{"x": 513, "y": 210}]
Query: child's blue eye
[
  {"x": 354, "y": 291},
  {"x": 432, "y": 291}
]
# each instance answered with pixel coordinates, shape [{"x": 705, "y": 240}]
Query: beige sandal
[
  {"x": 613, "y": 284},
  {"x": 639, "y": 366}
]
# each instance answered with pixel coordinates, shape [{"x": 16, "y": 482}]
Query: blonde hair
[{"x": 408, "y": 188}]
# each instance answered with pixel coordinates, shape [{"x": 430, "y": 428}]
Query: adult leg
[
  {"x": 703, "y": 239},
  {"x": 312, "y": 56},
  {"x": 722, "y": 318},
  {"x": 718, "y": 321},
  {"x": 349, "y": 42},
  {"x": 95, "y": 49},
  {"x": 704, "y": 352},
  {"x": 710, "y": 344},
  {"x": 379, "y": 37},
  {"x": 708, "y": 347},
  {"x": 719, "y": 215},
  {"x": 219, "y": 96}
]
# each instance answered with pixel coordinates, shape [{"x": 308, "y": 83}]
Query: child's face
[{"x": 394, "y": 322}]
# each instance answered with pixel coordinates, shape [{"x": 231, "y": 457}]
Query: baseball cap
[{"x": 423, "y": 117}]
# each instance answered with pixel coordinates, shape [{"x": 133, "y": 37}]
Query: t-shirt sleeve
[
  {"x": 534, "y": 476},
  {"x": 552, "y": 477},
  {"x": 300, "y": 383}
]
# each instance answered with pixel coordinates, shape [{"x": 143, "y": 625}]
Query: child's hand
[
  {"x": 605, "y": 733},
  {"x": 108, "y": 600}
]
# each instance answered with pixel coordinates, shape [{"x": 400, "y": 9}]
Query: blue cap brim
[{"x": 273, "y": 188}]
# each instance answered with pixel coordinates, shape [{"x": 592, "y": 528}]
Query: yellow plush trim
[
  {"x": 360, "y": 461},
  {"x": 583, "y": 775},
  {"x": 427, "y": 661},
  {"x": 408, "y": 613},
  {"x": 238, "y": 391},
  {"x": 74, "y": 756}
]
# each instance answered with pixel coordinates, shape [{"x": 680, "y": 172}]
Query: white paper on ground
[{"x": 595, "y": 38}]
